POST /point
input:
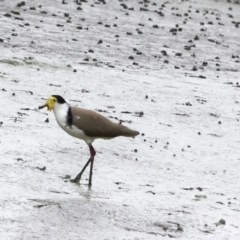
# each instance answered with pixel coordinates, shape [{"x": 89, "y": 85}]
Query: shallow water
[{"x": 179, "y": 177}]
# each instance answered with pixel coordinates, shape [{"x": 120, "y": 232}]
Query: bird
[{"x": 86, "y": 125}]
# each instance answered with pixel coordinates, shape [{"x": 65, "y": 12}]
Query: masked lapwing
[{"x": 87, "y": 125}]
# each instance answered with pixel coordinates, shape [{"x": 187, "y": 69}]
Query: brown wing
[{"x": 94, "y": 124}]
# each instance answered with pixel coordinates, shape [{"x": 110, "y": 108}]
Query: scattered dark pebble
[
  {"x": 173, "y": 30},
  {"x": 118, "y": 183},
  {"x": 178, "y": 54},
  {"x": 164, "y": 53},
  {"x": 126, "y": 112},
  {"x": 15, "y": 12},
  {"x": 139, "y": 114},
  {"x": 194, "y": 68},
  {"x": 7, "y": 15},
  {"x": 220, "y": 222},
  {"x": 21, "y": 4},
  {"x": 55, "y": 85},
  {"x": 151, "y": 192},
  {"x": 200, "y": 196},
  {"x": 41, "y": 169},
  {"x": 188, "y": 189},
  {"x": 187, "y": 47}
]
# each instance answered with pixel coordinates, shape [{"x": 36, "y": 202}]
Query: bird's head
[{"x": 52, "y": 101}]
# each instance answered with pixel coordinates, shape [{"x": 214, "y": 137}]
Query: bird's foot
[{"x": 75, "y": 180}]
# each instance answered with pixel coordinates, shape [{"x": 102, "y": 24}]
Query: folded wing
[{"x": 96, "y": 125}]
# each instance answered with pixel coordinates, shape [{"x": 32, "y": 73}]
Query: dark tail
[{"x": 127, "y": 132}]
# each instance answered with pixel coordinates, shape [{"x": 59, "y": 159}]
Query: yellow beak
[
  {"x": 49, "y": 103},
  {"x": 43, "y": 106}
]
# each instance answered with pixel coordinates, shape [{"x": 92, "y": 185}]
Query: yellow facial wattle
[{"x": 49, "y": 104}]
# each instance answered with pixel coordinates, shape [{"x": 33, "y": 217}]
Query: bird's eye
[{"x": 54, "y": 100}]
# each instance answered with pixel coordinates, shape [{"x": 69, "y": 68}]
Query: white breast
[{"x": 60, "y": 112}]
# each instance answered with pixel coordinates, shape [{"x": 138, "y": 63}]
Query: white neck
[{"x": 60, "y": 112}]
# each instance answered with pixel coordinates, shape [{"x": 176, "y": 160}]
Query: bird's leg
[
  {"x": 91, "y": 159},
  {"x": 93, "y": 153},
  {"x": 78, "y": 177}
]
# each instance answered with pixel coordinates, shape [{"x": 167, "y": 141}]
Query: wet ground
[{"x": 167, "y": 69}]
